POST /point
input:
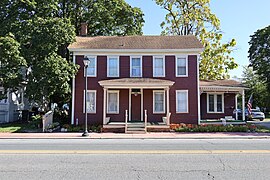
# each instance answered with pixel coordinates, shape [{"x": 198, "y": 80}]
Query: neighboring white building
[{"x": 10, "y": 108}]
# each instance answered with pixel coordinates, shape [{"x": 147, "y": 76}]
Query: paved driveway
[{"x": 265, "y": 123}]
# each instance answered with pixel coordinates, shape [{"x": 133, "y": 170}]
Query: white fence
[{"x": 47, "y": 120}]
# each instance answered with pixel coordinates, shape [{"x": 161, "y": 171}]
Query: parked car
[{"x": 255, "y": 114}]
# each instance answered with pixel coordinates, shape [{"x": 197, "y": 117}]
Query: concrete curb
[{"x": 136, "y": 136}]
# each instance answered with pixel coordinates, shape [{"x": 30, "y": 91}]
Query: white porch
[
  {"x": 228, "y": 86},
  {"x": 136, "y": 87}
]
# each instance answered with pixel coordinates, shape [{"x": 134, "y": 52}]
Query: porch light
[{"x": 86, "y": 63}]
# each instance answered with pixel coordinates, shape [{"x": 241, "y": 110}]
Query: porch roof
[
  {"x": 226, "y": 85},
  {"x": 125, "y": 83}
]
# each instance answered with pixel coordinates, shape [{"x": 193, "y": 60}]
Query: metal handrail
[
  {"x": 145, "y": 120},
  {"x": 126, "y": 120}
]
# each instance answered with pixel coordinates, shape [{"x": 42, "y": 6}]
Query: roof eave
[{"x": 80, "y": 51}]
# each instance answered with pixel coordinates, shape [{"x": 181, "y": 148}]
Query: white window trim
[
  {"x": 130, "y": 65},
  {"x": 94, "y": 91},
  {"x": 108, "y": 68},
  {"x": 95, "y": 59},
  {"x": 176, "y": 64},
  {"x": 117, "y": 111},
  {"x": 215, "y": 103},
  {"x": 159, "y": 112},
  {"x": 163, "y": 57},
  {"x": 176, "y": 101}
]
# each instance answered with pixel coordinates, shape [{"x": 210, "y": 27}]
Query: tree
[
  {"x": 104, "y": 17},
  {"x": 41, "y": 39},
  {"x": 194, "y": 17},
  {"x": 42, "y": 31},
  {"x": 259, "y": 54},
  {"x": 11, "y": 63},
  {"x": 257, "y": 87}
]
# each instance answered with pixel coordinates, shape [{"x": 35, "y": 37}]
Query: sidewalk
[{"x": 169, "y": 135}]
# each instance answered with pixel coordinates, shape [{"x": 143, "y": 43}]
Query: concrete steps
[{"x": 135, "y": 128}]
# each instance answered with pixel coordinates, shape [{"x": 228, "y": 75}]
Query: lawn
[{"x": 18, "y": 127}]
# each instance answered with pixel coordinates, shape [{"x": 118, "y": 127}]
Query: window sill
[
  {"x": 182, "y": 112},
  {"x": 215, "y": 112},
  {"x": 159, "y": 112},
  {"x": 182, "y": 76},
  {"x": 112, "y": 112}
]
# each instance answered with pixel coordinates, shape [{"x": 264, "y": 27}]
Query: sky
[{"x": 239, "y": 20}]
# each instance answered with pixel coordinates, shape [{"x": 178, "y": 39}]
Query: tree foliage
[
  {"x": 104, "y": 17},
  {"x": 259, "y": 54},
  {"x": 194, "y": 17},
  {"x": 43, "y": 29},
  {"x": 11, "y": 63},
  {"x": 257, "y": 87},
  {"x": 40, "y": 38}
]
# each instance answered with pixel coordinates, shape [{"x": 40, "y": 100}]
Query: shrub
[{"x": 216, "y": 128}]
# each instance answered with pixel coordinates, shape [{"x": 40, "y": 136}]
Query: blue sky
[{"x": 239, "y": 19}]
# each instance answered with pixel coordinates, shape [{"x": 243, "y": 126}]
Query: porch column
[
  {"x": 243, "y": 104},
  {"x": 141, "y": 104},
  {"x": 236, "y": 113},
  {"x": 104, "y": 104},
  {"x": 129, "y": 105},
  {"x": 168, "y": 104}
]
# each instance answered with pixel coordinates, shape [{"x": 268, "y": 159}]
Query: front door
[{"x": 135, "y": 107}]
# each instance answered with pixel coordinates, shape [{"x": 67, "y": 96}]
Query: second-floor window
[
  {"x": 158, "y": 66},
  {"x": 181, "y": 66},
  {"x": 92, "y": 66},
  {"x": 135, "y": 66},
  {"x": 113, "y": 66}
]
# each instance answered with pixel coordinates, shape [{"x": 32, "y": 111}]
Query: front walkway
[{"x": 170, "y": 135}]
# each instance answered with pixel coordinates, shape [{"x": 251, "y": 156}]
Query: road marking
[{"x": 134, "y": 151}]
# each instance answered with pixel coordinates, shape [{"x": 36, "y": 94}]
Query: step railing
[
  {"x": 145, "y": 120},
  {"x": 126, "y": 120}
]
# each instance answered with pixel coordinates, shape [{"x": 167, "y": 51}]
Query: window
[
  {"x": 181, "y": 66},
  {"x": 113, "y": 66},
  {"x": 158, "y": 67},
  {"x": 113, "y": 102},
  {"x": 158, "y": 101},
  {"x": 92, "y": 67},
  {"x": 136, "y": 67},
  {"x": 91, "y": 101},
  {"x": 182, "y": 101},
  {"x": 215, "y": 103}
]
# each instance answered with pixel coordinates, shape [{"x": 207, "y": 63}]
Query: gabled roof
[{"x": 137, "y": 42}]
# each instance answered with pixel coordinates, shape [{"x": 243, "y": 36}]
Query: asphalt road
[{"x": 134, "y": 159}]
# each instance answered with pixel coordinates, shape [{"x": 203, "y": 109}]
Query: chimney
[{"x": 83, "y": 31}]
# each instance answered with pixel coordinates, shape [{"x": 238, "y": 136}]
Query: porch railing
[
  {"x": 145, "y": 120},
  {"x": 126, "y": 120}
]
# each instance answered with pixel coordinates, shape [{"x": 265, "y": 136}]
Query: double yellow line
[{"x": 134, "y": 151}]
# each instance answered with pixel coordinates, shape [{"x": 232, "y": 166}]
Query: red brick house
[{"x": 150, "y": 80}]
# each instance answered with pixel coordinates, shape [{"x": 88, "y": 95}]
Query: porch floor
[
  {"x": 137, "y": 123},
  {"x": 150, "y": 125}
]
